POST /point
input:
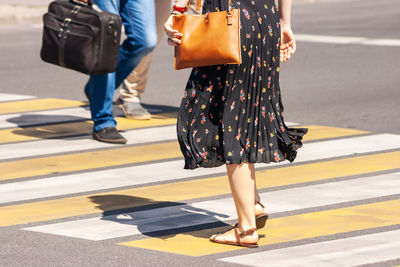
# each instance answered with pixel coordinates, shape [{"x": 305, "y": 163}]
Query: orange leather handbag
[{"x": 209, "y": 39}]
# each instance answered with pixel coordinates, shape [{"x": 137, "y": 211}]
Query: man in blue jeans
[{"x": 138, "y": 18}]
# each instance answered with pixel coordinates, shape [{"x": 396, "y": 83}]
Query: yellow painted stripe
[
  {"x": 38, "y": 104},
  {"x": 113, "y": 157},
  {"x": 286, "y": 229},
  {"x": 78, "y": 128},
  {"x": 85, "y": 127},
  {"x": 316, "y": 132},
  {"x": 179, "y": 191},
  {"x": 88, "y": 160}
]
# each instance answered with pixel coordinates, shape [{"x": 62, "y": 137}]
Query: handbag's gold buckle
[
  {"x": 229, "y": 18},
  {"x": 229, "y": 14}
]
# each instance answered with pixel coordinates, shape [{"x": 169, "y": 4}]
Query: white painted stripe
[
  {"x": 98, "y": 180},
  {"x": 328, "y": 39},
  {"x": 382, "y": 42},
  {"x": 13, "y": 97},
  {"x": 352, "y": 251},
  {"x": 76, "y": 144},
  {"x": 43, "y": 117},
  {"x": 223, "y": 209},
  {"x": 53, "y": 116},
  {"x": 158, "y": 172},
  {"x": 346, "y": 40}
]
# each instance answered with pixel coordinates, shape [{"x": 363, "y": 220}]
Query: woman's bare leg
[
  {"x": 242, "y": 182},
  {"x": 253, "y": 174},
  {"x": 259, "y": 210}
]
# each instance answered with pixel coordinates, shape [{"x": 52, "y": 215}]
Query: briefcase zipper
[
  {"x": 68, "y": 31},
  {"x": 61, "y": 20}
]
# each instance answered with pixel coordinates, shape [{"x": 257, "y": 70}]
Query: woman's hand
[
  {"x": 172, "y": 34},
  {"x": 288, "y": 44}
]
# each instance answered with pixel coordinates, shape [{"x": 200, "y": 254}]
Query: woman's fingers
[
  {"x": 175, "y": 35},
  {"x": 169, "y": 28},
  {"x": 170, "y": 42},
  {"x": 173, "y": 41},
  {"x": 287, "y": 50},
  {"x": 292, "y": 47}
]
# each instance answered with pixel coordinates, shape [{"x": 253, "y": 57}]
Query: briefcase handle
[{"x": 83, "y": 2}]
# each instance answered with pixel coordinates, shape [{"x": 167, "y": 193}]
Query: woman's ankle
[
  {"x": 248, "y": 235},
  {"x": 259, "y": 208},
  {"x": 246, "y": 226}
]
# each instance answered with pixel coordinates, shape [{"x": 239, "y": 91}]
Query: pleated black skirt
[{"x": 233, "y": 113}]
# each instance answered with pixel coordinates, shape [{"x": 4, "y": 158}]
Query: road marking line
[
  {"x": 29, "y": 149},
  {"x": 36, "y": 118},
  {"x": 68, "y": 122},
  {"x": 54, "y": 146},
  {"x": 150, "y": 173},
  {"x": 88, "y": 160},
  {"x": 179, "y": 191},
  {"x": 112, "y": 157},
  {"x": 175, "y": 217},
  {"x": 38, "y": 104},
  {"x": 283, "y": 229},
  {"x": 346, "y": 40},
  {"x": 352, "y": 251},
  {"x": 13, "y": 97},
  {"x": 62, "y": 130}
]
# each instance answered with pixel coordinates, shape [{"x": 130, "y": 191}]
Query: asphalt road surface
[
  {"x": 66, "y": 200},
  {"x": 354, "y": 86}
]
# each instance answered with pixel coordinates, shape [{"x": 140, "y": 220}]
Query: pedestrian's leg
[
  {"x": 138, "y": 17},
  {"x": 141, "y": 40},
  {"x": 242, "y": 184},
  {"x": 253, "y": 174},
  {"x": 261, "y": 216},
  {"x": 132, "y": 89},
  {"x": 100, "y": 88},
  {"x": 134, "y": 85}
]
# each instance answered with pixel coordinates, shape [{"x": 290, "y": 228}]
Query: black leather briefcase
[{"x": 81, "y": 37}]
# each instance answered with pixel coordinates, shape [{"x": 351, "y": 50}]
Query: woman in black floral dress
[{"x": 232, "y": 114}]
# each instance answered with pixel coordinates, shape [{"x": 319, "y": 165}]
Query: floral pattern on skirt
[{"x": 233, "y": 113}]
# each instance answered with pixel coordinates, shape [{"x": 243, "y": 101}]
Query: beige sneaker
[{"x": 133, "y": 110}]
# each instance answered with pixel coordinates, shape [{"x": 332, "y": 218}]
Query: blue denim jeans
[{"x": 138, "y": 18}]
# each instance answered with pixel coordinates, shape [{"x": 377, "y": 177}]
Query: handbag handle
[{"x": 199, "y": 4}]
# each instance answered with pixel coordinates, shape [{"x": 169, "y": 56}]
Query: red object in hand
[{"x": 180, "y": 9}]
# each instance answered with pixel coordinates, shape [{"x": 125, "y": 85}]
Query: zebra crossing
[{"x": 337, "y": 205}]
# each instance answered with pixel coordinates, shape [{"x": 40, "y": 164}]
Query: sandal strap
[
  {"x": 240, "y": 236},
  {"x": 237, "y": 235},
  {"x": 248, "y": 232},
  {"x": 259, "y": 203}
]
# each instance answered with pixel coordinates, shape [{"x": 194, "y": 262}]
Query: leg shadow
[{"x": 159, "y": 219}]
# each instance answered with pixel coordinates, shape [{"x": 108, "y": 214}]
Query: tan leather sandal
[
  {"x": 240, "y": 236},
  {"x": 261, "y": 218}
]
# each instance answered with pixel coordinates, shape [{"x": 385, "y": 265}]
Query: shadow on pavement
[
  {"x": 179, "y": 218},
  {"x": 60, "y": 126}
]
